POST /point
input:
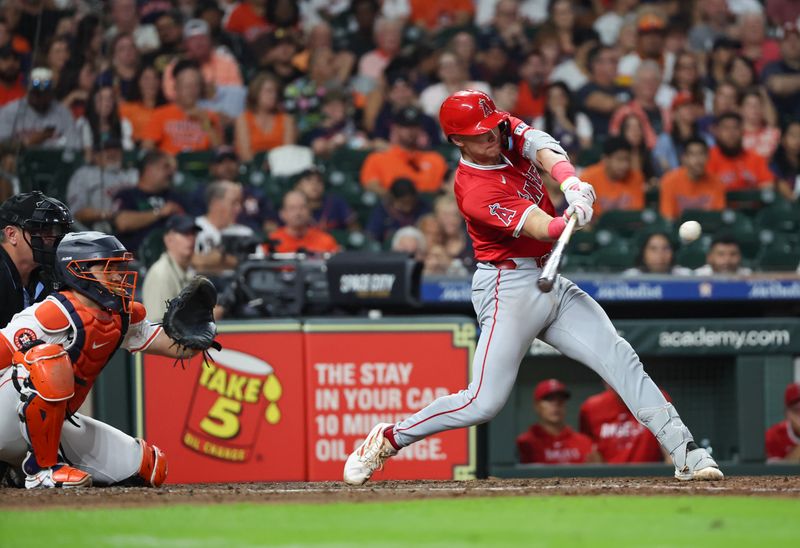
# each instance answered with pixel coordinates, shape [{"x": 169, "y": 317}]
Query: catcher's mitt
[{"x": 189, "y": 319}]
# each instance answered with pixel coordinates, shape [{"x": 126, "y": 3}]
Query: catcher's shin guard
[
  {"x": 43, "y": 401},
  {"x": 153, "y": 470}
]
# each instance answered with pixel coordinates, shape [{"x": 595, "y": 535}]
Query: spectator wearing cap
[
  {"x": 337, "y": 128},
  {"x": 574, "y": 72},
  {"x": 388, "y": 39},
  {"x": 219, "y": 69},
  {"x": 102, "y": 122},
  {"x": 144, "y": 98},
  {"x": 602, "y": 95},
  {"x": 401, "y": 94},
  {"x": 649, "y": 47},
  {"x": 403, "y": 159},
  {"x": 31, "y": 226},
  {"x": 263, "y": 125},
  {"x": 646, "y": 83},
  {"x": 247, "y": 19},
  {"x": 737, "y": 168},
  {"x": 685, "y": 113},
  {"x": 714, "y": 22},
  {"x": 782, "y": 77},
  {"x": 330, "y": 212},
  {"x": 453, "y": 77},
  {"x": 756, "y": 46},
  {"x": 400, "y": 207},
  {"x": 619, "y": 436},
  {"x": 223, "y": 206},
  {"x": 37, "y": 120},
  {"x": 145, "y": 207},
  {"x": 782, "y": 440},
  {"x": 298, "y": 233},
  {"x": 724, "y": 258},
  {"x": 617, "y": 184},
  {"x": 91, "y": 189},
  {"x": 125, "y": 19},
  {"x": 11, "y": 87},
  {"x": 691, "y": 186},
  {"x": 183, "y": 126},
  {"x": 173, "y": 270},
  {"x": 785, "y": 163},
  {"x": 550, "y": 440},
  {"x": 258, "y": 212}
]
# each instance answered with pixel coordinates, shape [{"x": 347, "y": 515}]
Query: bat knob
[{"x": 545, "y": 285}]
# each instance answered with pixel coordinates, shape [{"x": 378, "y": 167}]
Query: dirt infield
[{"x": 331, "y": 492}]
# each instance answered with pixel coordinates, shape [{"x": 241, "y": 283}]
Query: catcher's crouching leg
[
  {"x": 42, "y": 408},
  {"x": 153, "y": 470}
]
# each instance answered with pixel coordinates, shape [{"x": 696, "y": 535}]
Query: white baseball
[{"x": 690, "y": 231}]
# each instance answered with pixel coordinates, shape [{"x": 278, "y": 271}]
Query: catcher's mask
[
  {"x": 114, "y": 285},
  {"x": 44, "y": 221}
]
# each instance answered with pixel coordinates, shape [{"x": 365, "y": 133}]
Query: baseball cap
[
  {"x": 650, "y": 22},
  {"x": 548, "y": 388},
  {"x": 408, "y": 117},
  {"x": 792, "y": 395},
  {"x": 41, "y": 78},
  {"x": 195, "y": 27},
  {"x": 225, "y": 152},
  {"x": 183, "y": 224}
]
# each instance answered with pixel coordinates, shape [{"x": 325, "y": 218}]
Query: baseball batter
[
  {"x": 50, "y": 356},
  {"x": 509, "y": 218}
]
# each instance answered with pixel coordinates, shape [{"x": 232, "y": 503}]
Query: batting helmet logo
[
  {"x": 487, "y": 110},
  {"x": 469, "y": 112}
]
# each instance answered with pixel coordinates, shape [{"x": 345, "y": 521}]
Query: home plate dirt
[{"x": 328, "y": 492}]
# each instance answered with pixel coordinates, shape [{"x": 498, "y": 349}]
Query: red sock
[{"x": 388, "y": 433}]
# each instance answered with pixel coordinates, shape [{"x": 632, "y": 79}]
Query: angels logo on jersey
[{"x": 504, "y": 214}]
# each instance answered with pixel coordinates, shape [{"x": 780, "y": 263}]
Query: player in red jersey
[
  {"x": 619, "y": 436},
  {"x": 551, "y": 441},
  {"x": 510, "y": 220},
  {"x": 783, "y": 439}
]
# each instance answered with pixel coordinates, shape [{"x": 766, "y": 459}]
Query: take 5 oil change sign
[
  {"x": 238, "y": 416},
  {"x": 361, "y": 373}
]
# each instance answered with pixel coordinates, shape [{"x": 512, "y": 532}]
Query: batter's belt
[{"x": 511, "y": 264}]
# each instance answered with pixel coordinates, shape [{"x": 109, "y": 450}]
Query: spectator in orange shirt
[
  {"x": 263, "y": 125},
  {"x": 532, "y": 86},
  {"x": 441, "y": 14},
  {"x": 402, "y": 160},
  {"x": 738, "y": 169},
  {"x": 145, "y": 98},
  {"x": 298, "y": 234},
  {"x": 182, "y": 126},
  {"x": 691, "y": 186},
  {"x": 617, "y": 184}
]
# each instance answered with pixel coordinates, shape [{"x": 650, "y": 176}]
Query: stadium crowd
[{"x": 313, "y": 124}]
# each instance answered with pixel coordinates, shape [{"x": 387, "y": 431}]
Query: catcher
[{"x": 52, "y": 352}]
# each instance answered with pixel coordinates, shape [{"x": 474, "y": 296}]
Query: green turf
[{"x": 688, "y": 522}]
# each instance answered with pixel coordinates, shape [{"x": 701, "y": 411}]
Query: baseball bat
[{"x": 548, "y": 277}]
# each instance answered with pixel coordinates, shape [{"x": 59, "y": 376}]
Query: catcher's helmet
[
  {"x": 79, "y": 251},
  {"x": 45, "y": 219},
  {"x": 469, "y": 112}
]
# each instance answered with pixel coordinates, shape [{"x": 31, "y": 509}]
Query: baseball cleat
[
  {"x": 60, "y": 475},
  {"x": 369, "y": 456},
  {"x": 699, "y": 466}
]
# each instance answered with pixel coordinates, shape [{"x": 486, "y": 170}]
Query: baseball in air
[{"x": 690, "y": 231}]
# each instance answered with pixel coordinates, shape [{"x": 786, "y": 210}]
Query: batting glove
[
  {"x": 573, "y": 188},
  {"x": 582, "y": 209}
]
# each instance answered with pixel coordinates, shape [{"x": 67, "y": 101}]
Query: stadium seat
[
  {"x": 347, "y": 160},
  {"x": 749, "y": 201},
  {"x": 617, "y": 255},
  {"x": 693, "y": 255},
  {"x": 711, "y": 221},
  {"x": 48, "y": 170},
  {"x": 195, "y": 163},
  {"x": 782, "y": 254},
  {"x": 573, "y": 262},
  {"x": 748, "y": 239},
  {"x": 629, "y": 222},
  {"x": 583, "y": 243},
  {"x": 451, "y": 154},
  {"x": 288, "y": 160},
  {"x": 780, "y": 217}
]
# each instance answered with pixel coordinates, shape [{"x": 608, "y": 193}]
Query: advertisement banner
[
  {"x": 238, "y": 417},
  {"x": 360, "y": 374}
]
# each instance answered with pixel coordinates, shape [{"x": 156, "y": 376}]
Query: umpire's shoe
[
  {"x": 60, "y": 475},
  {"x": 369, "y": 457}
]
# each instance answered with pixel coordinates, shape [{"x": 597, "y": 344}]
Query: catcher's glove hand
[{"x": 189, "y": 319}]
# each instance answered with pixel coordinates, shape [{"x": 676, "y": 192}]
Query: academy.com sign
[{"x": 712, "y": 338}]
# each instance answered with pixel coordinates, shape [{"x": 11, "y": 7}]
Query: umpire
[{"x": 31, "y": 226}]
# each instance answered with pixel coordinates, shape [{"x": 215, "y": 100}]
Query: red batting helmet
[{"x": 469, "y": 112}]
